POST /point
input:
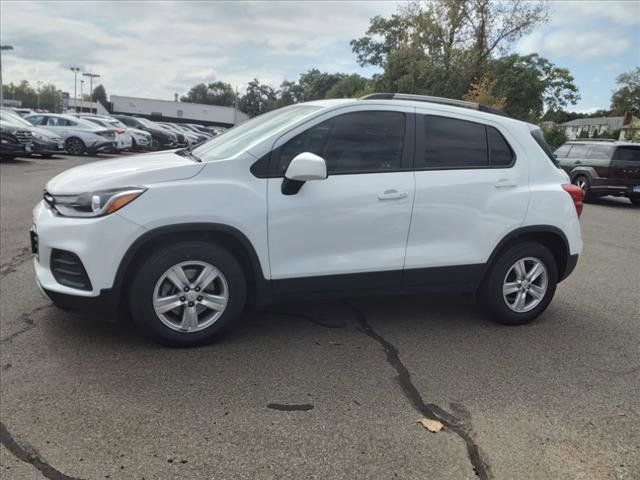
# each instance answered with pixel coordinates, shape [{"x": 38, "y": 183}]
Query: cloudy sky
[{"x": 158, "y": 48}]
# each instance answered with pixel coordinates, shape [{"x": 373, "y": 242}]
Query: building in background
[
  {"x": 601, "y": 125},
  {"x": 75, "y": 105},
  {"x": 172, "y": 111}
]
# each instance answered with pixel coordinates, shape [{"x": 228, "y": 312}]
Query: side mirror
[{"x": 306, "y": 166}]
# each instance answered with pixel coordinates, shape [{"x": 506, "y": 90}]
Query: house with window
[{"x": 596, "y": 124}]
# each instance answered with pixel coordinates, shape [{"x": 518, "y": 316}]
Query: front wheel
[
  {"x": 520, "y": 284},
  {"x": 186, "y": 293}
]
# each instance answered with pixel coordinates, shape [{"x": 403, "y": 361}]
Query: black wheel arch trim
[
  {"x": 586, "y": 171},
  {"x": 201, "y": 227},
  {"x": 518, "y": 232}
]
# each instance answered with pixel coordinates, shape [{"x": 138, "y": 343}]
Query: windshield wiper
[{"x": 187, "y": 152}]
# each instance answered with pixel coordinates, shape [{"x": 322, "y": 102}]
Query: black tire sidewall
[
  {"x": 587, "y": 191},
  {"x": 143, "y": 285},
  {"x": 491, "y": 290},
  {"x": 77, "y": 141}
]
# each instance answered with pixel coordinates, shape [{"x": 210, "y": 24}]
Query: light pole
[
  {"x": 81, "y": 96},
  {"x": 2, "y": 48},
  {"x": 39, "y": 82},
  {"x": 91, "y": 77},
  {"x": 75, "y": 71}
]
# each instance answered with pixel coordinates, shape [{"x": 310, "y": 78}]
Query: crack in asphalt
[
  {"x": 29, "y": 455},
  {"x": 429, "y": 410},
  {"x": 307, "y": 318},
  {"x": 290, "y": 407},
  {"x": 12, "y": 265},
  {"x": 28, "y": 323}
]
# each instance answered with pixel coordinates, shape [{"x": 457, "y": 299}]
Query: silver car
[{"x": 80, "y": 136}]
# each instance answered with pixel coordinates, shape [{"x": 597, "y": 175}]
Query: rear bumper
[
  {"x": 613, "y": 186},
  {"x": 572, "y": 261}
]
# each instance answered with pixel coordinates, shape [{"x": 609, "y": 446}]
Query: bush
[{"x": 555, "y": 136}]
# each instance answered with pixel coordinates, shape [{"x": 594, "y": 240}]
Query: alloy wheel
[
  {"x": 74, "y": 146},
  {"x": 525, "y": 284},
  {"x": 190, "y": 296}
]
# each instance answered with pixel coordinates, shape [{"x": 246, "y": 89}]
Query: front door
[{"x": 349, "y": 230}]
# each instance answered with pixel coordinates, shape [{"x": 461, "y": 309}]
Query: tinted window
[
  {"x": 57, "y": 122},
  {"x": 351, "y": 143},
  {"x": 563, "y": 151},
  {"x": 500, "y": 153},
  {"x": 579, "y": 150},
  {"x": 451, "y": 143},
  {"x": 629, "y": 154},
  {"x": 601, "y": 151},
  {"x": 39, "y": 120}
]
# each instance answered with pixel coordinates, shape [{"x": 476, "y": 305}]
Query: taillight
[
  {"x": 119, "y": 130},
  {"x": 576, "y": 195}
]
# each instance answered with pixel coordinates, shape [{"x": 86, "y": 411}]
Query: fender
[
  {"x": 583, "y": 170},
  {"x": 518, "y": 232},
  {"x": 261, "y": 283}
]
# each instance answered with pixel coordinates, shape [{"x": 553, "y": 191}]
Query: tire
[
  {"x": 582, "y": 181},
  {"x": 74, "y": 146},
  {"x": 503, "y": 273},
  {"x": 46, "y": 155},
  {"x": 151, "y": 282},
  {"x": 635, "y": 201}
]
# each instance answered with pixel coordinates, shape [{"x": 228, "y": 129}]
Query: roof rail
[
  {"x": 593, "y": 140},
  {"x": 429, "y": 99}
]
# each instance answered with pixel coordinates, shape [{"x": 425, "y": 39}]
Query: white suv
[{"x": 388, "y": 193}]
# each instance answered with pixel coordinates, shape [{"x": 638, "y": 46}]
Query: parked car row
[{"x": 39, "y": 133}]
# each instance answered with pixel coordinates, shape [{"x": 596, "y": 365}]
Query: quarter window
[
  {"x": 357, "y": 142},
  {"x": 500, "y": 153},
  {"x": 579, "y": 150},
  {"x": 563, "y": 151}
]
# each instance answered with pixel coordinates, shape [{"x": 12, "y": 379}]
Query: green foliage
[
  {"x": 529, "y": 83},
  {"x": 351, "y": 86},
  {"x": 50, "y": 96},
  {"x": 99, "y": 94},
  {"x": 215, "y": 93},
  {"x": 584, "y": 133},
  {"x": 258, "y": 98},
  {"x": 595, "y": 134},
  {"x": 555, "y": 136},
  {"x": 626, "y": 98}
]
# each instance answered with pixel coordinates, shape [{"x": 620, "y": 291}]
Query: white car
[
  {"x": 388, "y": 193},
  {"x": 80, "y": 136}
]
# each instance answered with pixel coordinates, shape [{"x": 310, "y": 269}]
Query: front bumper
[
  {"x": 104, "y": 304},
  {"x": 100, "y": 244},
  {"x": 47, "y": 147}
]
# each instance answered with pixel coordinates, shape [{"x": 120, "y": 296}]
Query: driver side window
[{"x": 357, "y": 142}]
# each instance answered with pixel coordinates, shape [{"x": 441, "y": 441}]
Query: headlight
[{"x": 93, "y": 204}]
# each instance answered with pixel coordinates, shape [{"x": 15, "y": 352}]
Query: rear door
[
  {"x": 472, "y": 188},
  {"x": 625, "y": 166},
  {"x": 349, "y": 230}
]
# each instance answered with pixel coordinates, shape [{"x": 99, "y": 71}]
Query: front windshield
[
  {"x": 245, "y": 135},
  {"x": 13, "y": 118}
]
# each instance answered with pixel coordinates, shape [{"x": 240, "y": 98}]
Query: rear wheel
[
  {"x": 520, "y": 284},
  {"x": 583, "y": 182},
  {"x": 186, "y": 293},
  {"x": 74, "y": 146}
]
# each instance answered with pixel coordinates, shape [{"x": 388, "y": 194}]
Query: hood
[
  {"x": 45, "y": 133},
  {"x": 136, "y": 170}
]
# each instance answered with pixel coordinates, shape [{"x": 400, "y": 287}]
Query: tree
[
  {"x": 529, "y": 83},
  {"x": 584, "y": 133},
  {"x": 215, "y": 93},
  {"x": 351, "y": 86},
  {"x": 258, "y": 98},
  {"x": 442, "y": 47},
  {"x": 482, "y": 92},
  {"x": 314, "y": 85},
  {"x": 50, "y": 96},
  {"x": 100, "y": 95},
  {"x": 626, "y": 98},
  {"x": 555, "y": 136}
]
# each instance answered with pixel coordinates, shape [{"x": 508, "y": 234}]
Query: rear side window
[
  {"x": 600, "y": 152},
  {"x": 627, "y": 154},
  {"x": 452, "y": 143}
]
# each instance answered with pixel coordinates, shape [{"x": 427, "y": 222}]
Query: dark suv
[{"x": 603, "y": 167}]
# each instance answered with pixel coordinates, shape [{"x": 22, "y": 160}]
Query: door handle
[
  {"x": 578, "y": 162},
  {"x": 505, "y": 183},
  {"x": 392, "y": 195}
]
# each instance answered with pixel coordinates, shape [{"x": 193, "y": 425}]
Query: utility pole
[
  {"x": 91, "y": 77},
  {"x": 39, "y": 82},
  {"x": 75, "y": 71},
  {"x": 81, "y": 96},
  {"x": 2, "y": 49}
]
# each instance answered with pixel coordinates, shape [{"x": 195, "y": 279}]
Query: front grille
[
  {"x": 23, "y": 136},
  {"x": 68, "y": 270}
]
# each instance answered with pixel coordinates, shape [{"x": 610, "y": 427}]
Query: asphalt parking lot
[{"x": 327, "y": 390}]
